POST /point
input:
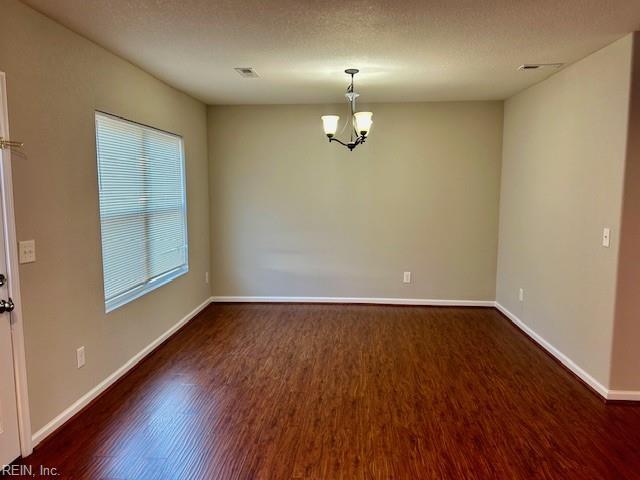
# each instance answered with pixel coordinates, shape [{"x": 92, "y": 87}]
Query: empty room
[{"x": 249, "y": 239}]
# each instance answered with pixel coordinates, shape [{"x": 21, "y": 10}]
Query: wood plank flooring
[{"x": 279, "y": 391}]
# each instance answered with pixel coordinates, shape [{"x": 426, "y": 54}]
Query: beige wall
[
  {"x": 625, "y": 361},
  {"x": 562, "y": 176},
  {"x": 55, "y": 81},
  {"x": 292, "y": 215}
]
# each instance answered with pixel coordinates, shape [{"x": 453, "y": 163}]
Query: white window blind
[{"x": 142, "y": 208}]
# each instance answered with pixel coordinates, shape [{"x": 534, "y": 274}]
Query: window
[{"x": 142, "y": 208}]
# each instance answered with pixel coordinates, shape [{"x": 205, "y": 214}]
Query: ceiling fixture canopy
[{"x": 359, "y": 122}]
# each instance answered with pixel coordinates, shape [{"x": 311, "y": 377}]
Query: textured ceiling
[{"x": 407, "y": 50}]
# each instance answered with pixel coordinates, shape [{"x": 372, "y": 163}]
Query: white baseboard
[
  {"x": 626, "y": 395},
  {"x": 363, "y": 300},
  {"x": 83, "y": 401},
  {"x": 566, "y": 361},
  {"x": 69, "y": 412},
  {"x": 570, "y": 364}
]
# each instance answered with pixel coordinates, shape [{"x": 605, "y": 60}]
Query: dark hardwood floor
[{"x": 348, "y": 392}]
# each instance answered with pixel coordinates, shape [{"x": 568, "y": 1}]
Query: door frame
[{"x": 11, "y": 249}]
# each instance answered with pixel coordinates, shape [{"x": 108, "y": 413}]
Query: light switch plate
[
  {"x": 606, "y": 237},
  {"x": 80, "y": 357},
  {"x": 27, "y": 251}
]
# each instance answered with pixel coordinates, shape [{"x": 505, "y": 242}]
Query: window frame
[{"x": 152, "y": 283}]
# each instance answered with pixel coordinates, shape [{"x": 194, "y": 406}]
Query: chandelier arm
[
  {"x": 334, "y": 139},
  {"x": 351, "y": 145}
]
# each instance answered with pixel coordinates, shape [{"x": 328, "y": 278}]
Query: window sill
[{"x": 142, "y": 290}]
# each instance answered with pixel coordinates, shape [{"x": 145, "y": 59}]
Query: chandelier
[{"x": 359, "y": 122}]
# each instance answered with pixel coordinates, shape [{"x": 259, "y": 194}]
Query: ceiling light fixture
[{"x": 359, "y": 122}]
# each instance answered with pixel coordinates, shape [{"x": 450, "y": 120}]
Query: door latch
[{"x": 6, "y": 305}]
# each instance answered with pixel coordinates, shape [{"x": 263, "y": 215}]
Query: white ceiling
[{"x": 407, "y": 50}]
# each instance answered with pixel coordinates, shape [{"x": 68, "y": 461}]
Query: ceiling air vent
[
  {"x": 246, "y": 72},
  {"x": 539, "y": 66}
]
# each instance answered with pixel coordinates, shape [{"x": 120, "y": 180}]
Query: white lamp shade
[
  {"x": 363, "y": 122},
  {"x": 330, "y": 124}
]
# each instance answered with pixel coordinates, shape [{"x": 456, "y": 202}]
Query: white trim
[
  {"x": 83, "y": 401},
  {"x": 58, "y": 421},
  {"x": 146, "y": 287},
  {"x": 626, "y": 395},
  {"x": 11, "y": 253},
  {"x": 570, "y": 364},
  {"x": 566, "y": 361},
  {"x": 63, "y": 417},
  {"x": 364, "y": 300}
]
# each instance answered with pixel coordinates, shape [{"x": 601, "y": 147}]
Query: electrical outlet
[
  {"x": 206, "y": 277},
  {"x": 407, "y": 277},
  {"x": 80, "y": 357},
  {"x": 27, "y": 251},
  {"x": 521, "y": 295}
]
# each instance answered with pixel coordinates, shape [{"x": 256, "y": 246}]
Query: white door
[{"x": 9, "y": 437}]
